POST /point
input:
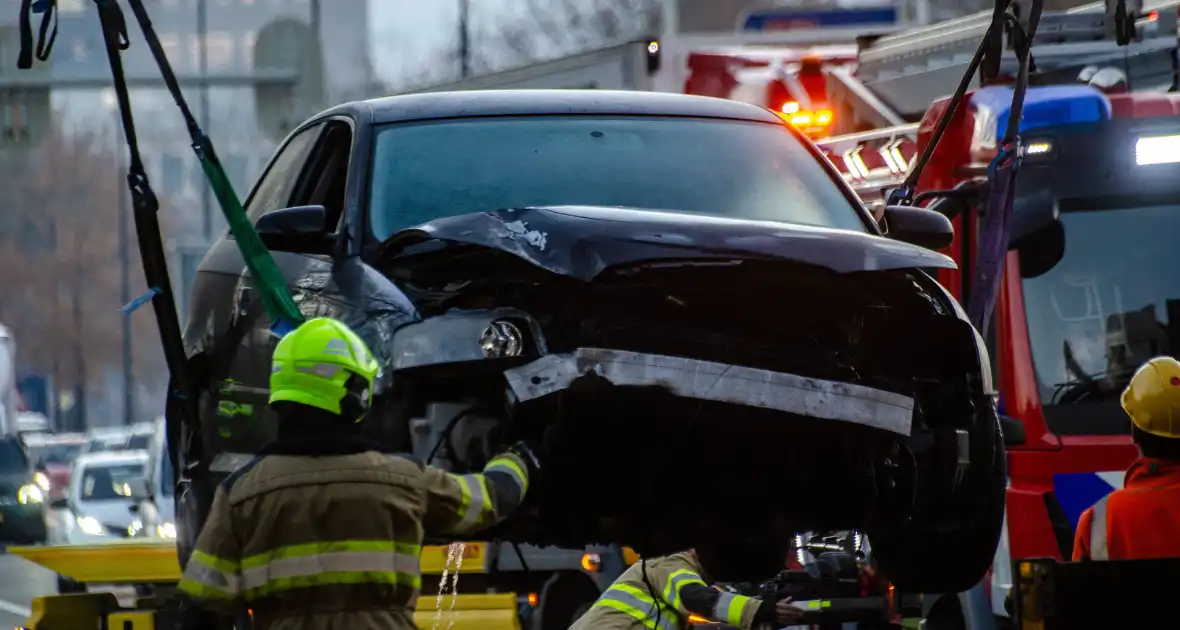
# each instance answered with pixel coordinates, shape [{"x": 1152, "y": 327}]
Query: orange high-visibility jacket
[{"x": 1139, "y": 521}]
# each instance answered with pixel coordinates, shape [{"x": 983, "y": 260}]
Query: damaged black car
[{"x": 677, "y": 296}]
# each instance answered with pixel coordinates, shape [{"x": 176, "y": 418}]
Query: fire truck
[{"x": 1087, "y": 293}]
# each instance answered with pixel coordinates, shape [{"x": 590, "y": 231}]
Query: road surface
[{"x": 20, "y": 582}]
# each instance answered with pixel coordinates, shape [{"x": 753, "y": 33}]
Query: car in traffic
[
  {"x": 153, "y": 493},
  {"x": 22, "y": 495},
  {"x": 53, "y": 455},
  {"x": 585, "y": 269}
]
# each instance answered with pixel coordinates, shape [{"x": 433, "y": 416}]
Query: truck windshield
[
  {"x": 1109, "y": 305},
  {"x": 426, "y": 170}
]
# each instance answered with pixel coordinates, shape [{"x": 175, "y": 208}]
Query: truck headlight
[
  {"x": 166, "y": 530},
  {"x": 90, "y": 525},
  {"x": 1157, "y": 150},
  {"x": 30, "y": 494}
]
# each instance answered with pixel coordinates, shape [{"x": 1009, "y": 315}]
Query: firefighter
[
  {"x": 323, "y": 529},
  {"x": 1142, "y": 520},
  {"x": 661, "y": 594}
]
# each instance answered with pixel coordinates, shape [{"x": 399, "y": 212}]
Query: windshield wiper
[{"x": 1088, "y": 387}]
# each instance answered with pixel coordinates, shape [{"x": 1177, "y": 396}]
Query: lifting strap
[
  {"x": 1001, "y": 195},
  {"x": 45, "y": 36},
  {"x": 269, "y": 282},
  {"x": 145, "y": 207}
]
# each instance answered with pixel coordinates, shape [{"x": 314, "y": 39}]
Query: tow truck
[{"x": 1081, "y": 303}]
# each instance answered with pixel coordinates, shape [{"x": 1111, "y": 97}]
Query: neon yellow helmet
[{"x": 323, "y": 364}]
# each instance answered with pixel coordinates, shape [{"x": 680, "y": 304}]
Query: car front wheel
[{"x": 951, "y": 559}]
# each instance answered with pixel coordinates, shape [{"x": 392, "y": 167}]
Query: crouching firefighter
[
  {"x": 323, "y": 529},
  {"x": 662, "y": 593},
  {"x": 1142, "y": 520}
]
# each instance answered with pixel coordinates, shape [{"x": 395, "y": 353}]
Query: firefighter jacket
[
  {"x": 673, "y": 590},
  {"x": 326, "y": 533},
  {"x": 1139, "y": 521}
]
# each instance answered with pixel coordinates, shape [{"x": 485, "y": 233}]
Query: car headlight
[
  {"x": 30, "y": 494},
  {"x": 90, "y": 525},
  {"x": 42, "y": 481},
  {"x": 135, "y": 528},
  {"x": 166, "y": 530}
]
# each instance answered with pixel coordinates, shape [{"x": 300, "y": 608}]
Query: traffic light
[
  {"x": 24, "y": 98},
  {"x": 287, "y": 47}
]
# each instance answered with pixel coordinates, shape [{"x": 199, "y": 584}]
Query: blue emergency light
[{"x": 1044, "y": 106}]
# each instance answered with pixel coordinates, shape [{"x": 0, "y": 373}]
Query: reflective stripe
[
  {"x": 322, "y": 370},
  {"x": 209, "y": 577},
  {"x": 337, "y": 347},
  {"x": 1098, "y": 550},
  {"x": 729, "y": 608},
  {"x": 512, "y": 468},
  {"x": 678, "y": 580},
  {"x": 475, "y": 501},
  {"x": 630, "y": 600},
  {"x": 343, "y": 562}
]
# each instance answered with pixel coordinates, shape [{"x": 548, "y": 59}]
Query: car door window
[{"x": 274, "y": 189}]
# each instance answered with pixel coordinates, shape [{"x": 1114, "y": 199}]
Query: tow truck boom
[{"x": 898, "y": 75}]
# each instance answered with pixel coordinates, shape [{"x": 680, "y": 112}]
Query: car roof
[
  {"x": 112, "y": 458},
  {"x": 434, "y": 105}
]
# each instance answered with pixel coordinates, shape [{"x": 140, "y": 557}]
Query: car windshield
[
  {"x": 1109, "y": 305},
  {"x": 108, "y": 482},
  {"x": 12, "y": 457},
  {"x": 54, "y": 453},
  {"x": 426, "y": 170}
]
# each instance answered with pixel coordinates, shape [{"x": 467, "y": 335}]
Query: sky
[
  {"x": 410, "y": 37},
  {"x": 409, "y": 29}
]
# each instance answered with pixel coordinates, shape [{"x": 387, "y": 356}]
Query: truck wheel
[{"x": 955, "y": 559}]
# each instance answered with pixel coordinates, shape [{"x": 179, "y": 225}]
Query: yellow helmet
[{"x": 1152, "y": 399}]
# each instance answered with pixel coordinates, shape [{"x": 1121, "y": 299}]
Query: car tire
[
  {"x": 67, "y": 586},
  {"x": 951, "y": 560}
]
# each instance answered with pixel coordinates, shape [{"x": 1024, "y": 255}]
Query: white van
[{"x": 155, "y": 508}]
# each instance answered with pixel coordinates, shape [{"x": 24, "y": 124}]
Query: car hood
[{"x": 582, "y": 241}]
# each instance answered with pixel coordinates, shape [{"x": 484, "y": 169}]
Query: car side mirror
[
  {"x": 299, "y": 230},
  {"x": 138, "y": 489},
  {"x": 1013, "y": 431},
  {"x": 917, "y": 226},
  {"x": 59, "y": 504}
]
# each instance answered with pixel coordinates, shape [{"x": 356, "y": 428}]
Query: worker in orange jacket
[{"x": 1142, "y": 520}]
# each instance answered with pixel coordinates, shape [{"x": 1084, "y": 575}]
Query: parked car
[
  {"x": 154, "y": 509},
  {"x": 22, "y": 495}
]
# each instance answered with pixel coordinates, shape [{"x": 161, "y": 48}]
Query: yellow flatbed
[{"x": 155, "y": 562}]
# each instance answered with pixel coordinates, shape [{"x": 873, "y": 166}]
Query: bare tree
[
  {"x": 550, "y": 28},
  {"x": 59, "y": 247}
]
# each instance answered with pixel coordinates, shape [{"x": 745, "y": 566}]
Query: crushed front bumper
[{"x": 719, "y": 382}]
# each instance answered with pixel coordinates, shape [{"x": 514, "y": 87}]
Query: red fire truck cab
[{"x": 1089, "y": 290}]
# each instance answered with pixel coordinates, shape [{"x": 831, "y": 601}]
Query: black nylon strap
[
  {"x": 146, "y": 208},
  {"x": 45, "y": 36}
]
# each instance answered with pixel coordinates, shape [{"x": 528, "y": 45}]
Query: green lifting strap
[{"x": 268, "y": 279}]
